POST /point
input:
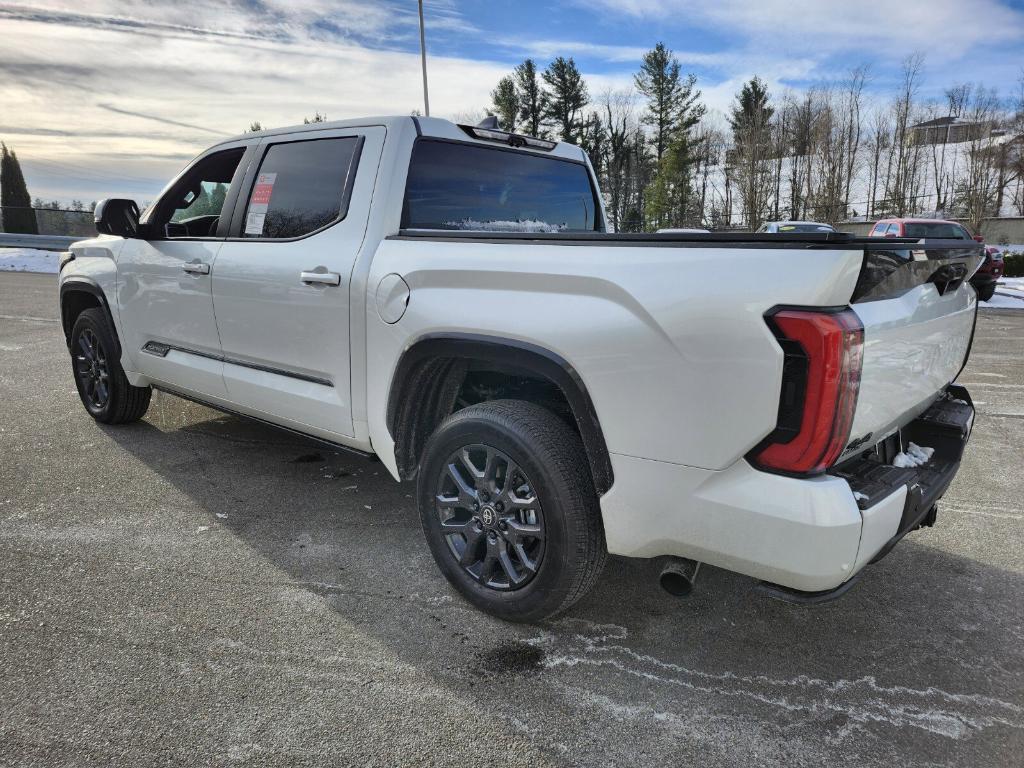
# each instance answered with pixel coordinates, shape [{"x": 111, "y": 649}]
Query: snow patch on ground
[
  {"x": 1009, "y": 294},
  {"x": 28, "y": 260}
]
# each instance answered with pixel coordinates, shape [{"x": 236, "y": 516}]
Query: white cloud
[
  {"x": 97, "y": 103},
  {"x": 878, "y": 27},
  {"x": 111, "y": 96}
]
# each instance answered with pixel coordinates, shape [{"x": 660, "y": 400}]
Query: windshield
[
  {"x": 806, "y": 226},
  {"x": 939, "y": 229}
]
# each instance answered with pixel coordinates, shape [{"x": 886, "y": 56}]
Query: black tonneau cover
[{"x": 830, "y": 240}]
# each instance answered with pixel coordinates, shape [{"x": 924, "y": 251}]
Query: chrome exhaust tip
[{"x": 678, "y": 576}]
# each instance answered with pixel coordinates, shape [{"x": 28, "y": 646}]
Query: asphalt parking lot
[{"x": 199, "y": 590}]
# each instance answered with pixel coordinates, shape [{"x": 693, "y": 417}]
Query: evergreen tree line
[
  {"x": 19, "y": 214},
  {"x": 826, "y": 154},
  {"x": 16, "y": 214}
]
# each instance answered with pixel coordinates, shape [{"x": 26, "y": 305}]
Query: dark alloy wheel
[
  {"x": 509, "y": 510},
  {"x": 91, "y": 370},
  {"x": 106, "y": 393},
  {"x": 490, "y": 517}
]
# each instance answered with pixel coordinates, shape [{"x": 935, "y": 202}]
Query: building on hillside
[{"x": 949, "y": 130}]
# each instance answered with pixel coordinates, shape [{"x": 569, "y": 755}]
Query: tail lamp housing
[{"x": 820, "y": 384}]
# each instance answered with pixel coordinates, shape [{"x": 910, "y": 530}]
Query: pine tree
[
  {"x": 531, "y": 98},
  {"x": 751, "y": 111},
  {"x": 254, "y": 127},
  {"x": 15, "y": 201},
  {"x": 567, "y": 96},
  {"x": 217, "y": 197},
  {"x": 672, "y": 102},
  {"x": 316, "y": 118},
  {"x": 505, "y": 102},
  {"x": 673, "y": 110}
]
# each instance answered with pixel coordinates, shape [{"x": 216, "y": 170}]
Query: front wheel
[
  {"x": 99, "y": 377},
  {"x": 509, "y": 510},
  {"x": 987, "y": 292}
]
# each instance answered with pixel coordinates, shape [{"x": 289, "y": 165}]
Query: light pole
[{"x": 423, "y": 59}]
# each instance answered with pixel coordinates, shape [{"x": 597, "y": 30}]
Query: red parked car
[{"x": 988, "y": 274}]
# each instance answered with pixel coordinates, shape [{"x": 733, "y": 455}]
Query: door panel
[
  {"x": 161, "y": 302},
  {"x": 165, "y": 293},
  {"x": 285, "y": 334}
]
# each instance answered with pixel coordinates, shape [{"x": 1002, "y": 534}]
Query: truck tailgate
[{"x": 915, "y": 343}]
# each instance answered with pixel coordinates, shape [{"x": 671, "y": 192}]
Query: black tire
[
  {"x": 987, "y": 292},
  {"x": 542, "y": 455},
  {"x": 99, "y": 377}
]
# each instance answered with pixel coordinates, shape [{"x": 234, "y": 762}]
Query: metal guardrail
[{"x": 41, "y": 242}]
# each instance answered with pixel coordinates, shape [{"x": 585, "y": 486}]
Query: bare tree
[
  {"x": 618, "y": 120},
  {"x": 878, "y": 145},
  {"x": 711, "y": 142},
  {"x": 903, "y": 183},
  {"x": 751, "y": 126},
  {"x": 830, "y": 138},
  {"x": 853, "y": 104},
  {"x": 977, "y": 189},
  {"x": 800, "y": 121}
]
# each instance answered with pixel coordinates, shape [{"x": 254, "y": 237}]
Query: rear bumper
[{"x": 805, "y": 538}]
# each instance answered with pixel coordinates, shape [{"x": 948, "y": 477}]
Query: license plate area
[{"x": 945, "y": 427}]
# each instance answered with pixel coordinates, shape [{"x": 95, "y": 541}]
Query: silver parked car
[{"x": 791, "y": 227}]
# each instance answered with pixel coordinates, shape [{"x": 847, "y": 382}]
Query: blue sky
[{"x": 111, "y": 97}]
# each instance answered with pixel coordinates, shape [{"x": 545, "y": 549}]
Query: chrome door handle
[
  {"x": 321, "y": 278},
  {"x": 196, "y": 268}
]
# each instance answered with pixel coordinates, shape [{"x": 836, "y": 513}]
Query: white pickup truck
[{"x": 447, "y": 298}]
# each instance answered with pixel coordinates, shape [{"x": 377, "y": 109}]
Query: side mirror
[
  {"x": 979, "y": 238},
  {"x": 117, "y": 217}
]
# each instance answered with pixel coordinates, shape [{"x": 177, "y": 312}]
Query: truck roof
[
  {"x": 912, "y": 220},
  {"x": 425, "y": 126}
]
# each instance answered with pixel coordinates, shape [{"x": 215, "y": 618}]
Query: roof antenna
[
  {"x": 423, "y": 59},
  {"x": 490, "y": 123}
]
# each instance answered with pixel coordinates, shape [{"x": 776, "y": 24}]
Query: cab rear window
[{"x": 457, "y": 186}]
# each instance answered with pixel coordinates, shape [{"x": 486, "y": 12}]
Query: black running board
[{"x": 329, "y": 443}]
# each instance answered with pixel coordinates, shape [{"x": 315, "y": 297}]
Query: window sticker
[{"x": 259, "y": 203}]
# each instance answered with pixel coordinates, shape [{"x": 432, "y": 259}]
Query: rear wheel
[
  {"x": 99, "y": 377},
  {"x": 509, "y": 510}
]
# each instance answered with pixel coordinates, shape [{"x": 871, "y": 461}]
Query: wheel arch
[
  {"x": 78, "y": 294},
  {"x": 430, "y": 372}
]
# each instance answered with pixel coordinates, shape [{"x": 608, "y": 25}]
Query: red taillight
[{"x": 832, "y": 344}]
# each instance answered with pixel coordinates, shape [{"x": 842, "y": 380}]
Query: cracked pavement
[{"x": 197, "y": 590}]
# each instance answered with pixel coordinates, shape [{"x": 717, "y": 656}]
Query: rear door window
[
  {"x": 455, "y": 186},
  {"x": 301, "y": 187}
]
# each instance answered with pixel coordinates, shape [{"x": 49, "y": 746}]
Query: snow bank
[
  {"x": 1009, "y": 294},
  {"x": 914, "y": 456},
  {"x": 28, "y": 260}
]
